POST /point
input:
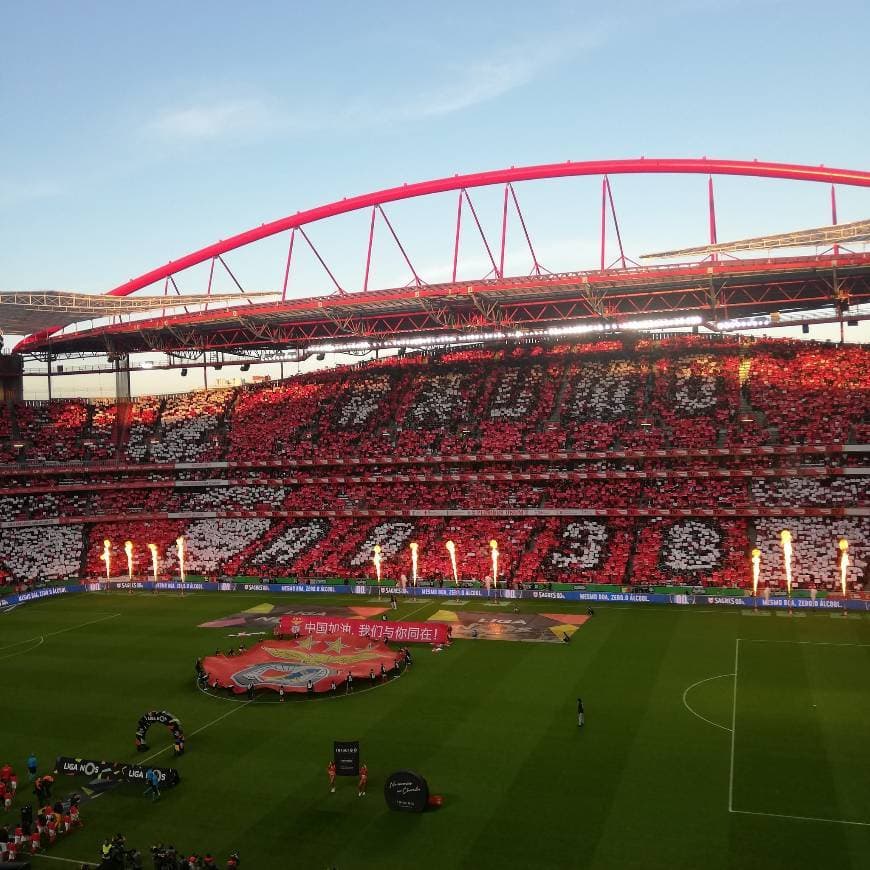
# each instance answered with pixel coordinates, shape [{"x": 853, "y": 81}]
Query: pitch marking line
[
  {"x": 83, "y": 624},
  {"x": 695, "y": 712},
  {"x": 58, "y": 858},
  {"x": 416, "y": 610},
  {"x": 198, "y": 731},
  {"x": 39, "y": 640},
  {"x": 733, "y": 725},
  {"x": 734, "y": 722},
  {"x": 802, "y": 818},
  {"x": 801, "y": 642},
  {"x": 192, "y": 733}
]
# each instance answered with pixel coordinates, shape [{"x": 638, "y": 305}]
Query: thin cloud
[
  {"x": 198, "y": 123},
  {"x": 461, "y": 87},
  {"x": 480, "y": 81}
]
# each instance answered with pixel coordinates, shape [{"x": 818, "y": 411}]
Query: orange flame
[
  {"x": 756, "y": 567},
  {"x": 107, "y": 556},
  {"x": 179, "y": 546},
  {"x": 844, "y": 563},
  {"x": 414, "y": 545},
  {"x": 785, "y": 539},
  {"x": 128, "y": 549},
  {"x": 493, "y": 545},
  {"x": 153, "y": 549},
  {"x": 451, "y": 548}
]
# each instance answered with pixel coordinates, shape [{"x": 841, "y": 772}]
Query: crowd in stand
[
  {"x": 597, "y": 395},
  {"x": 675, "y": 393}
]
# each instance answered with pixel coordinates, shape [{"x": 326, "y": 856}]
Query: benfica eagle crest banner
[
  {"x": 372, "y": 629},
  {"x": 308, "y": 663}
]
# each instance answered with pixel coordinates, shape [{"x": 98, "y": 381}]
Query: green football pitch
[{"x": 681, "y": 764}]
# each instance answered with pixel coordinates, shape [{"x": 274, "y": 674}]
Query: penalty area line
[
  {"x": 801, "y": 818},
  {"x": 733, "y": 725}
]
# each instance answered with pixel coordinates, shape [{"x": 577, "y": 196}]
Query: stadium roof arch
[{"x": 709, "y": 291}]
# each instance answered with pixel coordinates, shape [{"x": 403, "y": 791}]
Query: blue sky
[{"x": 134, "y": 133}]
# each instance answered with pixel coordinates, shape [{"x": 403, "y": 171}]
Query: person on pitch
[
  {"x": 363, "y": 780},
  {"x": 330, "y": 769},
  {"x": 152, "y": 777},
  {"x": 581, "y": 714}
]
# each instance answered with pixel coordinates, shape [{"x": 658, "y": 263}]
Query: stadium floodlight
[
  {"x": 744, "y": 323},
  {"x": 561, "y": 331},
  {"x": 414, "y": 546},
  {"x": 844, "y": 565}
]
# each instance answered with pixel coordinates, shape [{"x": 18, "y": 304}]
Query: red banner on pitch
[{"x": 400, "y": 632}]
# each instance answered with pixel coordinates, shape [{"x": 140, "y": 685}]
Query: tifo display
[
  {"x": 658, "y": 461},
  {"x": 311, "y": 664}
]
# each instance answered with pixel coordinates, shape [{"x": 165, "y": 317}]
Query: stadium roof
[
  {"x": 26, "y": 311},
  {"x": 710, "y": 290}
]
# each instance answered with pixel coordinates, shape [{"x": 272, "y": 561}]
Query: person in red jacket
[
  {"x": 363, "y": 780},
  {"x": 330, "y": 769},
  {"x": 34, "y": 841}
]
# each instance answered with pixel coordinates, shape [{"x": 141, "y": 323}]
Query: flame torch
[
  {"x": 785, "y": 540},
  {"x": 844, "y": 563},
  {"x": 128, "y": 549},
  {"x": 493, "y": 546},
  {"x": 153, "y": 549},
  {"x": 756, "y": 570},
  {"x": 107, "y": 556},
  {"x": 451, "y": 548},
  {"x": 377, "y": 560},
  {"x": 414, "y": 548},
  {"x": 179, "y": 546}
]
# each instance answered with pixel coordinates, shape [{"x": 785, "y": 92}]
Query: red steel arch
[{"x": 640, "y": 165}]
